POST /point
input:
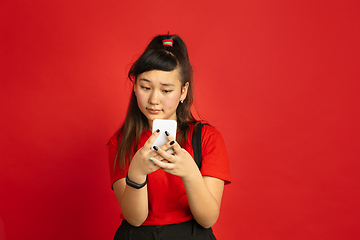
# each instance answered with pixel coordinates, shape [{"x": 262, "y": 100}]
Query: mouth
[{"x": 153, "y": 111}]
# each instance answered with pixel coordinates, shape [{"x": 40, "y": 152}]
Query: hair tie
[{"x": 168, "y": 42}]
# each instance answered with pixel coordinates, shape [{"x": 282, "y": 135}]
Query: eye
[
  {"x": 167, "y": 91},
  {"x": 145, "y": 88}
]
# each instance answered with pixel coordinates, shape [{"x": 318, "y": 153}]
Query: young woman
[{"x": 163, "y": 194}]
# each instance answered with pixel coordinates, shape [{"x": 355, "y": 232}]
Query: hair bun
[{"x": 168, "y": 42}]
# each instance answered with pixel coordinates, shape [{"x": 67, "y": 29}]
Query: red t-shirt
[{"x": 168, "y": 203}]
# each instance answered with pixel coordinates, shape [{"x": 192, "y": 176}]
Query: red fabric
[{"x": 167, "y": 198}]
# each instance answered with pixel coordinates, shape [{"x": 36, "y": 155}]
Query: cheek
[
  {"x": 141, "y": 99},
  {"x": 172, "y": 101}
]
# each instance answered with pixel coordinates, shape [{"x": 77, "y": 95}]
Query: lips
[{"x": 153, "y": 111}]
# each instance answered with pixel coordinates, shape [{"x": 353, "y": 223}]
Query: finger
[
  {"x": 164, "y": 164},
  {"x": 176, "y": 146},
  {"x": 157, "y": 157},
  {"x": 169, "y": 136},
  {"x": 151, "y": 139},
  {"x": 165, "y": 155},
  {"x": 167, "y": 146},
  {"x": 170, "y": 150}
]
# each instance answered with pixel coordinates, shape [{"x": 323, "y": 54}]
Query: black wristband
[{"x": 134, "y": 184}]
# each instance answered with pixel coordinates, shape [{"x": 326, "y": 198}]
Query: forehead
[{"x": 160, "y": 77}]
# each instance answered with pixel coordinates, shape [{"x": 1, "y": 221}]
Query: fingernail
[
  {"x": 172, "y": 142},
  {"x": 151, "y": 159},
  {"x": 166, "y": 133},
  {"x": 172, "y": 150},
  {"x": 157, "y": 130},
  {"x": 156, "y": 148}
]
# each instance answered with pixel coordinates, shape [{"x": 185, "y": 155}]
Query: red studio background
[{"x": 279, "y": 79}]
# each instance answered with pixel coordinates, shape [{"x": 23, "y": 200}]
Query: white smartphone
[{"x": 164, "y": 125}]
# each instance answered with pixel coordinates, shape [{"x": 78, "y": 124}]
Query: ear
[{"x": 184, "y": 91}]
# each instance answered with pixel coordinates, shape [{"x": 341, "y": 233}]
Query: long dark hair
[{"x": 156, "y": 56}]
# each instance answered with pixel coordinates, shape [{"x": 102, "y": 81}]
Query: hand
[
  {"x": 140, "y": 164},
  {"x": 180, "y": 164}
]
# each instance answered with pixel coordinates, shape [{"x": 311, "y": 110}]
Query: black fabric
[
  {"x": 187, "y": 230},
  {"x": 196, "y": 144}
]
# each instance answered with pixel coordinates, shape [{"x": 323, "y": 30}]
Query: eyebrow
[{"x": 164, "y": 84}]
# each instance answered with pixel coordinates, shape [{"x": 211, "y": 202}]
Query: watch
[{"x": 134, "y": 184}]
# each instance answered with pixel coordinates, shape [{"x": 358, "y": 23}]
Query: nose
[{"x": 154, "y": 98}]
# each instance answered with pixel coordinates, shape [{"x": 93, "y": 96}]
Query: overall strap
[{"x": 196, "y": 144}]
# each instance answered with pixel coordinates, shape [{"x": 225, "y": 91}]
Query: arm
[
  {"x": 204, "y": 193},
  {"x": 134, "y": 202}
]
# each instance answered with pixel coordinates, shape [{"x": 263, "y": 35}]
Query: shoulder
[
  {"x": 215, "y": 161},
  {"x": 209, "y": 132},
  {"x": 118, "y": 135}
]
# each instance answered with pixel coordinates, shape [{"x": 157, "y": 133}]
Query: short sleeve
[
  {"x": 115, "y": 172},
  {"x": 215, "y": 162}
]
